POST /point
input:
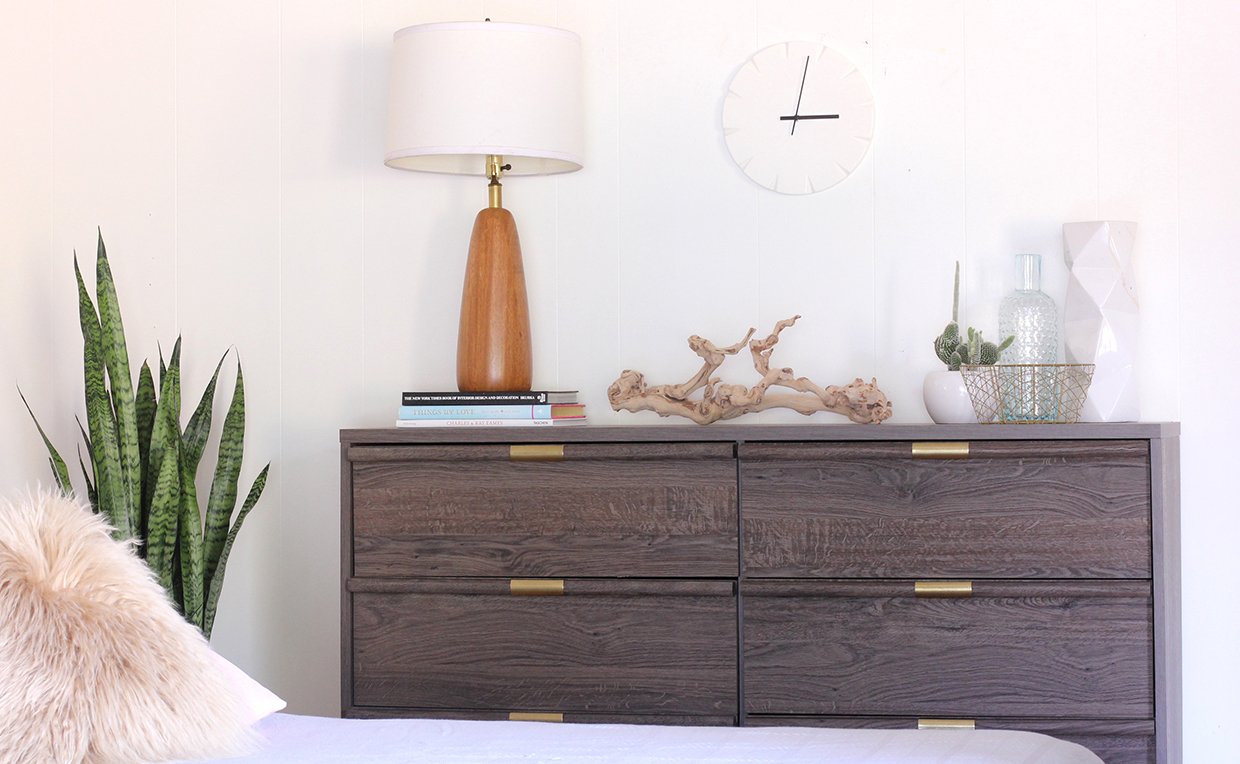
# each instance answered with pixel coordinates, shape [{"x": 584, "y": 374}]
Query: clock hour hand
[{"x": 796, "y": 117}]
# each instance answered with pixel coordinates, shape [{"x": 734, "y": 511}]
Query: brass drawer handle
[
  {"x": 943, "y": 588},
  {"x": 536, "y": 453},
  {"x": 945, "y": 724},
  {"x": 518, "y": 716},
  {"x": 939, "y": 450},
  {"x": 535, "y": 586}
]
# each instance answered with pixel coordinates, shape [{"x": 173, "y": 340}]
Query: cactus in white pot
[{"x": 947, "y": 401}]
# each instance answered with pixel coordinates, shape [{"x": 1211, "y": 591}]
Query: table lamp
[{"x": 488, "y": 98}]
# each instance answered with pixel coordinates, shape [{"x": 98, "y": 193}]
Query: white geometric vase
[{"x": 1101, "y": 316}]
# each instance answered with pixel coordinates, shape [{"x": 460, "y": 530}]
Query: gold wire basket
[{"x": 1028, "y": 393}]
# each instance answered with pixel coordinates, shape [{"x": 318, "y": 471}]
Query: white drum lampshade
[
  {"x": 488, "y": 98},
  {"x": 464, "y": 90}
]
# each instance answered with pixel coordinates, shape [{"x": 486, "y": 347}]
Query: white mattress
[{"x": 316, "y": 740}]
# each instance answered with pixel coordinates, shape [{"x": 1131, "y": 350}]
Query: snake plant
[{"x": 143, "y": 465}]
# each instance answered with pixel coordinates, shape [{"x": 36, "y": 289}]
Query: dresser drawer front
[
  {"x": 622, "y": 650},
  {"x": 602, "y": 510},
  {"x": 1115, "y": 741},
  {"x": 1061, "y": 649},
  {"x": 1056, "y": 509}
]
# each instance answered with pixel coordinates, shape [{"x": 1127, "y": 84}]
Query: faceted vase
[{"x": 1101, "y": 315}]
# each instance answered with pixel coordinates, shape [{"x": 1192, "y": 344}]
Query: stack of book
[{"x": 542, "y": 408}]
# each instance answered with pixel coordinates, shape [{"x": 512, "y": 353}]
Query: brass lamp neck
[{"x": 495, "y": 171}]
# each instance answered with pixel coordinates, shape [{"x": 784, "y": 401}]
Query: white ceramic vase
[
  {"x": 947, "y": 399},
  {"x": 1101, "y": 316}
]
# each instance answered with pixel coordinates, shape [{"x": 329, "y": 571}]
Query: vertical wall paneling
[
  {"x": 815, "y": 253},
  {"x": 919, "y": 191},
  {"x": 1031, "y": 141},
  {"x": 1137, "y": 180},
  {"x": 588, "y": 309},
  {"x": 228, "y": 281},
  {"x": 322, "y": 141},
  {"x": 687, "y": 215},
  {"x": 1209, "y": 239},
  {"x": 25, "y": 229},
  {"x": 114, "y": 168},
  {"x": 416, "y": 233}
]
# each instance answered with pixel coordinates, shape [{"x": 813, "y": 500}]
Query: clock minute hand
[
  {"x": 796, "y": 117},
  {"x": 797, "y": 113}
]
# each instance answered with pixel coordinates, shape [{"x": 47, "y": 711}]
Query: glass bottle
[{"x": 1029, "y": 315}]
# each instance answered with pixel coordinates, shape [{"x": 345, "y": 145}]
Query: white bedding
[{"x": 316, "y": 740}]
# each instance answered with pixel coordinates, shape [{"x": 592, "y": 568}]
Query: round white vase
[{"x": 947, "y": 399}]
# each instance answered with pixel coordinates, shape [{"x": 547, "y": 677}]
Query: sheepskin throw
[{"x": 96, "y": 666}]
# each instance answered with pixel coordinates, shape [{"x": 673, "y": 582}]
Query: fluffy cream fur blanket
[{"x": 96, "y": 666}]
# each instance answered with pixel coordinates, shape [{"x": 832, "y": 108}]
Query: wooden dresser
[{"x": 996, "y": 576}]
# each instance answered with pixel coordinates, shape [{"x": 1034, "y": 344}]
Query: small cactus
[{"x": 973, "y": 350}]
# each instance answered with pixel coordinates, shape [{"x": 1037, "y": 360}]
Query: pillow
[
  {"x": 257, "y": 702},
  {"x": 96, "y": 665}
]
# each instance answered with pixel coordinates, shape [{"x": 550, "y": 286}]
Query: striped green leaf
[
  {"x": 165, "y": 424},
  {"x": 161, "y": 536},
  {"x": 60, "y": 472},
  {"x": 105, "y": 453},
  {"x": 223, "y": 497},
  {"x": 189, "y": 544},
  {"x": 144, "y": 409},
  {"x": 199, "y": 426},
  {"x": 116, "y": 359},
  {"x": 217, "y": 577},
  {"x": 91, "y": 494}
]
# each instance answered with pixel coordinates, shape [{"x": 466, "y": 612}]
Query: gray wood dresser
[{"x": 993, "y": 576}]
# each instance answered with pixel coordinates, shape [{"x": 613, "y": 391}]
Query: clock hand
[
  {"x": 810, "y": 116},
  {"x": 797, "y": 113}
]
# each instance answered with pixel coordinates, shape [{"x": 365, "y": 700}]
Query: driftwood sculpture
[{"x": 859, "y": 401}]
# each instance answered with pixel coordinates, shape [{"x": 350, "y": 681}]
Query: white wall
[{"x": 232, "y": 154}]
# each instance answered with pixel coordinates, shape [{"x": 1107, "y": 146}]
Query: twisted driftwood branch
[{"x": 859, "y": 401}]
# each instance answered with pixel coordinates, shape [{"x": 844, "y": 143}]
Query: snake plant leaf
[
  {"x": 59, "y": 470},
  {"x": 199, "y": 426},
  {"x": 116, "y": 359},
  {"x": 223, "y": 497},
  {"x": 105, "y": 450},
  {"x": 144, "y": 410},
  {"x": 161, "y": 536},
  {"x": 217, "y": 577},
  {"x": 189, "y": 544},
  {"x": 91, "y": 494},
  {"x": 165, "y": 425}
]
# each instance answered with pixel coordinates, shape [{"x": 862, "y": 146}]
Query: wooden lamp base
[{"x": 493, "y": 344}]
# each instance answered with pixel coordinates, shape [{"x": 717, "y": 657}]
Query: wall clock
[{"x": 798, "y": 117}]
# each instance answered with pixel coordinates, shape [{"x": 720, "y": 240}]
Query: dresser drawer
[
  {"x": 1068, "y": 649},
  {"x": 1031, "y": 509},
  {"x": 610, "y": 647},
  {"x": 1115, "y": 741},
  {"x": 598, "y": 509}
]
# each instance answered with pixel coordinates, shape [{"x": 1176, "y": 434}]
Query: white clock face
[{"x": 798, "y": 117}]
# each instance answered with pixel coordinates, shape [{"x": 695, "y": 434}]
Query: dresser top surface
[{"x": 733, "y": 433}]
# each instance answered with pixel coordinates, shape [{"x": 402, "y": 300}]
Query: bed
[{"x": 290, "y": 739}]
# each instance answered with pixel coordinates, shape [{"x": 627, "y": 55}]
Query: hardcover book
[{"x": 541, "y": 397}]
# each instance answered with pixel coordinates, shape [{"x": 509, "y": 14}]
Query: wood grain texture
[
  {"x": 1012, "y": 510},
  {"x": 493, "y": 350},
  {"x": 593, "y": 517},
  {"x": 1168, "y": 663},
  {"x": 679, "y": 720},
  {"x": 760, "y": 433},
  {"x": 1052, "y": 655},
  {"x": 594, "y": 654},
  {"x": 1115, "y": 741}
]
